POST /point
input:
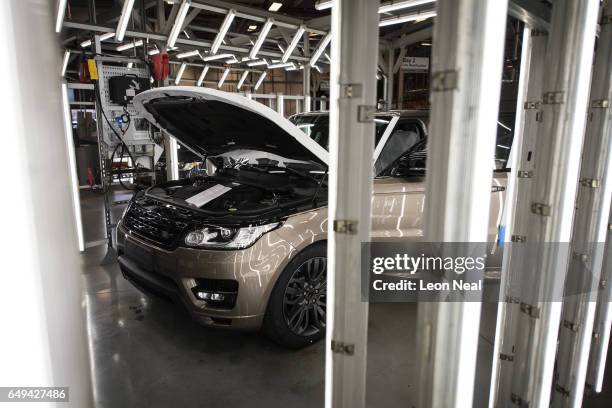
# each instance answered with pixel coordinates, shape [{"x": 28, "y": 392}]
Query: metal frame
[
  {"x": 352, "y": 90},
  {"x": 466, "y": 82},
  {"x": 588, "y": 233},
  {"x": 517, "y": 207},
  {"x": 549, "y": 217}
]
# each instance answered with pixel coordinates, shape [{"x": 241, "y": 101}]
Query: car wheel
[{"x": 296, "y": 312}]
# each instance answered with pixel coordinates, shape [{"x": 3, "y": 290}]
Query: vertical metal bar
[
  {"x": 549, "y": 222},
  {"x": 390, "y": 77},
  {"x": 466, "y": 82},
  {"x": 280, "y": 104},
  {"x": 306, "y": 76},
  {"x": 353, "y": 92},
  {"x": 517, "y": 208},
  {"x": 47, "y": 342},
  {"x": 603, "y": 321},
  {"x": 588, "y": 233}
]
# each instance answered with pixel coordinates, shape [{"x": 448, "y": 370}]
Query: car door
[{"x": 398, "y": 202}]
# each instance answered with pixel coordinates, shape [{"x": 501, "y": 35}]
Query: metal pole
[
  {"x": 603, "y": 321},
  {"x": 390, "y": 77},
  {"x": 588, "y": 233},
  {"x": 353, "y": 95},
  {"x": 519, "y": 184},
  {"x": 551, "y": 204},
  {"x": 466, "y": 82},
  {"x": 280, "y": 104},
  {"x": 46, "y": 345},
  {"x": 306, "y": 76}
]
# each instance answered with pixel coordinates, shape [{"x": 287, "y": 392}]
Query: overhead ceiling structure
[{"x": 288, "y": 35}]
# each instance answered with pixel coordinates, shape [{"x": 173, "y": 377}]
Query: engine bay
[{"x": 247, "y": 190}]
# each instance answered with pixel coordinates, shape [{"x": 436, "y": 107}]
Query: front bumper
[{"x": 173, "y": 273}]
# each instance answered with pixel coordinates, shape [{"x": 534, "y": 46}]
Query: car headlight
[{"x": 227, "y": 238}]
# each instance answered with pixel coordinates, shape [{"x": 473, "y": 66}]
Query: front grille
[{"x": 157, "y": 222}]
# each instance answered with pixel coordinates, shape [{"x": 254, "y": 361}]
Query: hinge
[
  {"x": 596, "y": 337},
  {"x": 600, "y": 103},
  {"x": 516, "y": 400},
  {"x": 342, "y": 348},
  {"x": 569, "y": 325},
  {"x": 444, "y": 81},
  {"x": 506, "y": 357},
  {"x": 539, "y": 116},
  {"x": 588, "y": 182},
  {"x": 518, "y": 238},
  {"x": 366, "y": 113},
  {"x": 553, "y": 98},
  {"x": 580, "y": 257},
  {"x": 345, "y": 226},
  {"x": 531, "y": 105},
  {"x": 351, "y": 90},
  {"x": 524, "y": 174},
  {"x": 530, "y": 310},
  {"x": 563, "y": 391},
  {"x": 540, "y": 209}
]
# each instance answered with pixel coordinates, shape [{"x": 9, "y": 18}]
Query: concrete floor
[{"x": 148, "y": 353}]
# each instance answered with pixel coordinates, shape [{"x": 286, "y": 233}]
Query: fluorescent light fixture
[
  {"x": 180, "y": 73},
  {"x": 76, "y": 200},
  {"x": 65, "y": 62},
  {"x": 217, "y": 57},
  {"x": 103, "y": 37},
  {"x": 153, "y": 51},
  {"x": 129, "y": 45},
  {"x": 260, "y": 80},
  {"x": 404, "y": 18},
  {"x": 257, "y": 63},
  {"x": 61, "y": 10},
  {"x": 227, "y": 22},
  {"x": 323, "y": 5},
  {"x": 384, "y": 7},
  {"x": 426, "y": 44},
  {"x": 402, "y": 4},
  {"x": 188, "y": 54},
  {"x": 261, "y": 38},
  {"x": 178, "y": 23},
  {"x": 294, "y": 42},
  {"x": 275, "y": 6},
  {"x": 130, "y": 65},
  {"x": 281, "y": 65},
  {"x": 320, "y": 49},
  {"x": 252, "y": 27},
  {"x": 126, "y": 12},
  {"x": 202, "y": 75},
  {"x": 223, "y": 77},
  {"x": 243, "y": 78}
]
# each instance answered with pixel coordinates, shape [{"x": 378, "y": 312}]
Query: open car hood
[{"x": 212, "y": 122}]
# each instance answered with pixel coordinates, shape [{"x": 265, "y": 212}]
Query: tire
[{"x": 295, "y": 316}]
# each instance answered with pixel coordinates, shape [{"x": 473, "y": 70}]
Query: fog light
[{"x": 216, "y": 297}]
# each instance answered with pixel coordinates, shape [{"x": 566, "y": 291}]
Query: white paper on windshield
[{"x": 208, "y": 195}]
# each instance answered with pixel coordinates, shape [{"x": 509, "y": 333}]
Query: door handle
[{"x": 497, "y": 189}]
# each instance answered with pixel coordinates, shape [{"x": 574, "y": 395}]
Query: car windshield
[{"x": 317, "y": 127}]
